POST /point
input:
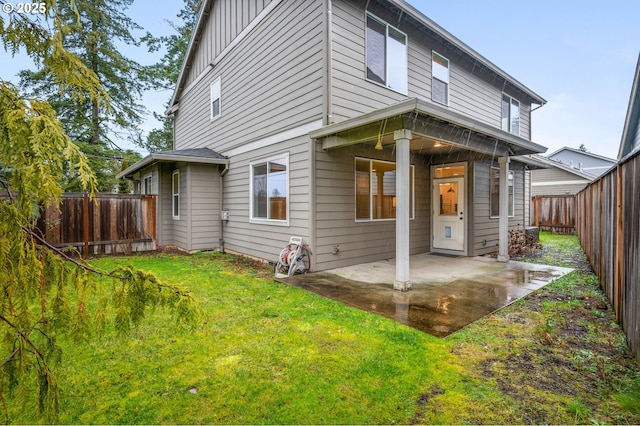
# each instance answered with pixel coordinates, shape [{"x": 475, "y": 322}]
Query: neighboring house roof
[
  {"x": 590, "y": 163},
  {"x": 551, "y": 163},
  {"x": 631, "y": 131},
  {"x": 195, "y": 155},
  {"x": 481, "y": 63},
  {"x": 428, "y": 118}
]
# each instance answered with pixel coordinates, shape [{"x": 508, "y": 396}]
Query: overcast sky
[{"x": 580, "y": 55}]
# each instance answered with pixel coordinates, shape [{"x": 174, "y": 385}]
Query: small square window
[{"x": 269, "y": 189}]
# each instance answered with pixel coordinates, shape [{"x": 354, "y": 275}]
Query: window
[
  {"x": 269, "y": 189},
  {"x": 510, "y": 115},
  {"x": 215, "y": 99},
  {"x": 146, "y": 185},
  {"x": 386, "y": 50},
  {"x": 175, "y": 190},
  {"x": 439, "y": 78},
  {"x": 495, "y": 193},
  {"x": 376, "y": 190}
]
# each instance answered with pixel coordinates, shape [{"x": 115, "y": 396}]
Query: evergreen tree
[
  {"x": 96, "y": 30},
  {"x": 166, "y": 72},
  {"x": 37, "y": 281}
]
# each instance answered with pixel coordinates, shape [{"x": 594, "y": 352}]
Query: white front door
[{"x": 448, "y": 213}]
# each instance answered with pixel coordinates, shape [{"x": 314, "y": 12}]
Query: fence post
[
  {"x": 617, "y": 292},
  {"x": 85, "y": 222}
]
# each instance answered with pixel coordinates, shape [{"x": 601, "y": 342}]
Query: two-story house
[
  {"x": 592, "y": 164},
  {"x": 361, "y": 126}
]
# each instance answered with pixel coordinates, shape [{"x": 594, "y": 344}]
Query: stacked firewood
[{"x": 521, "y": 244}]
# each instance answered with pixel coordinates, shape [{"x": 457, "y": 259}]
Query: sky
[{"x": 579, "y": 55}]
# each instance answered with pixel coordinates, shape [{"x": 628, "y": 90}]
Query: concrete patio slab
[{"x": 447, "y": 293}]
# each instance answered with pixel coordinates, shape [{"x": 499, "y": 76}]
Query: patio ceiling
[{"x": 435, "y": 130}]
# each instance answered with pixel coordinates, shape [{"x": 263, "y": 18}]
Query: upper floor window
[
  {"x": 386, "y": 55},
  {"x": 215, "y": 99},
  {"x": 376, "y": 190},
  {"x": 510, "y": 115},
  {"x": 439, "y": 78},
  {"x": 269, "y": 189}
]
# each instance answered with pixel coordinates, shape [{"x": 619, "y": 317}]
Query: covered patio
[
  {"x": 447, "y": 294},
  {"x": 424, "y": 128}
]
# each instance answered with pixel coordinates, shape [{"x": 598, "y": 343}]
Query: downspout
[{"x": 220, "y": 204}]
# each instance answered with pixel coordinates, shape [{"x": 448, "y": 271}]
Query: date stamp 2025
[{"x": 25, "y": 8}]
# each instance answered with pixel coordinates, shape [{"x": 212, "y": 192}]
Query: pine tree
[
  {"x": 166, "y": 72},
  {"x": 38, "y": 282},
  {"x": 95, "y": 31}
]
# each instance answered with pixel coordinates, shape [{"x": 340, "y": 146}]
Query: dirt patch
[
  {"x": 558, "y": 354},
  {"x": 422, "y": 402}
]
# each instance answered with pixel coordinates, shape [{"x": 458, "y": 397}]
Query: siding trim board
[{"x": 274, "y": 139}]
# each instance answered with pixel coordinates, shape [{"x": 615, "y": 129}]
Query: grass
[{"x": 267, "y": 353}]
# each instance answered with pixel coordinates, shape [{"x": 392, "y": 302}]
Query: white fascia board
[
  {"x": 168, "y": 158},
  {"x": 420, "y": 17},
  {"x": 431, "y": 109}
]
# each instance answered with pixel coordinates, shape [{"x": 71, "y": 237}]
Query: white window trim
[
  {"x": 508, "y": 129},
  {"x": 513, "y": 199},
  {"x": 386, "y": 77},
  {"x": 215, "y": 88},
  {"x": 266, "y": 221},
  {"x": 412, "y": 175},
  {"x": 448, "y": 82},
  {"x": 174, "y": 193},
  {"x": 144, "y": 188}
]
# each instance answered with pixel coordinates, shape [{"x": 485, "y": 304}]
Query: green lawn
[{"x": 267, "y": 353}]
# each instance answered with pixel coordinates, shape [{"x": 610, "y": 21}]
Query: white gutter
[{"x": 167, "y": 158}]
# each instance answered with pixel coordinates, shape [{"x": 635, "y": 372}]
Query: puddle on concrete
[{"x": 440, "y": 308}]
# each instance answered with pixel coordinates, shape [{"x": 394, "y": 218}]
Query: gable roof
[
  {"x": 577, "y": 151},
  {"x": 630, "y": 133},
  {"x": 552, "y": 163},
  {"x": 404, "y": 10},
  {"x": 194, "y": 155}
]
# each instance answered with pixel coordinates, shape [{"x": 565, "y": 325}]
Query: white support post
[
  {"x": 503, "y": 226},
  {"x": 403, "y": 139}
]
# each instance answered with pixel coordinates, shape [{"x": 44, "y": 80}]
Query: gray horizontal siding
[
  {"x": 265, "y": 241},
  {"x": 204, "y": 199},
  {"x": 560, "y": 182},
  {"x": 264, "y": 90},
  {"x": 227, "y": 19},
  {"x": 177, "y": 230},
  {"x": 485, "y": 236},
  {"x": 566, "y": 189},
  {"x": 353, "y": 95},
  {"x": 335, "y": 211}
]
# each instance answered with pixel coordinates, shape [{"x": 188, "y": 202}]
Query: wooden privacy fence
[
  {"x": 555, "y": 213},
  {"x": 608, "y": 226},
  {"x": 114, "y": 223}
]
